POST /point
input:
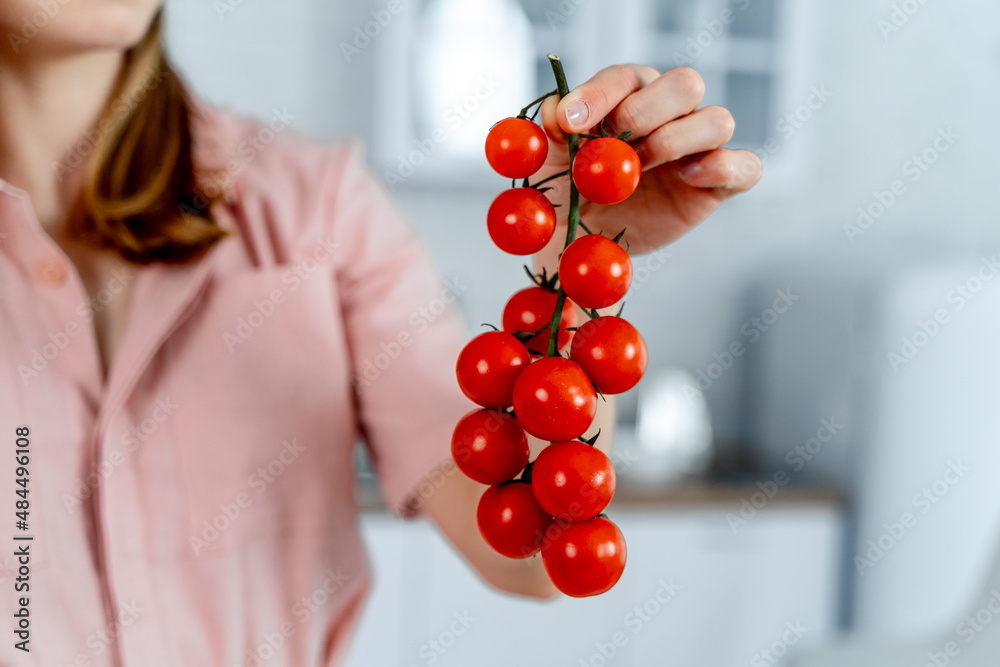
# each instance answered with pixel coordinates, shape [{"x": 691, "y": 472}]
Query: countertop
[{"x": 681, "y": 495}]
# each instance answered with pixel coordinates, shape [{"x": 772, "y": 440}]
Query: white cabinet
[{"x": 693, "y": 593}]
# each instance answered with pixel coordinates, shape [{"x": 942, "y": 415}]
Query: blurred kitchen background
[{"x": 814, "y": 449}]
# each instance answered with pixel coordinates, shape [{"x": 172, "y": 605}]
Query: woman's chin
[{"x": 78, "y": 28}]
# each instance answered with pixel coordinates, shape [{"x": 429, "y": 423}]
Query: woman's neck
[{"x": 50, "y": 110}]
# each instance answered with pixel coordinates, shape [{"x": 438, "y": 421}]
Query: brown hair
[{"x": 140, "y": 196}]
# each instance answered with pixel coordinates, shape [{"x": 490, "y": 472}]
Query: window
[
  {"x": 731, "y": 42},
  {"x": 755, "y": 57}
]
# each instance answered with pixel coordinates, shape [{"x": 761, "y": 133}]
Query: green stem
[
  {"x": 573, "y": 141},
  {"x": 546, "y": 180},
  {"x": 525, "y": 110},
  {"x": 554, "y": 325}
]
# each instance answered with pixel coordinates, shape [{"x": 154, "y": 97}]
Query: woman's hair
[{"x": 140, "y": 196}]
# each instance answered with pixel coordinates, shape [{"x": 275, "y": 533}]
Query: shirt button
[{"x": 51, "y": 272}]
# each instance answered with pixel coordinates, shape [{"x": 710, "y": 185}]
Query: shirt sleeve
[{"x": 404, "y": 332}]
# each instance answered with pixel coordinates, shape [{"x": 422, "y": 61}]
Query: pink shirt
[{"x": 198, "y": 508}]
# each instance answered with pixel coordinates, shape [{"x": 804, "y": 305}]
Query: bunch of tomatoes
[{"x": 543, "y": 372}]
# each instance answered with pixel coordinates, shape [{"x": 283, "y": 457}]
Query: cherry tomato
[
  {"x": 612, "y": 353},
  {"x": 573, "y": 481},
  {"x": 516, "y": 148},
  {"x": 595, "y": 271},
  {"x": 489, "y": 446},
  {"x": 521, "y": 221},
  {"x": 488, "y": 366},
  {"x": 554, "y": 400},
  {"x": 606, "y": 171},
  {"x": 530, "y": 310},
  {"x": 511, "y": 521},
  {"x": 585, "y": 559}
]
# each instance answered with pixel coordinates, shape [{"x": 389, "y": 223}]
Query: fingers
[
  {"x": 630, "y": 97},
  {"x": 589, "y": 103},
  {"x": 698, "y": 132},
  {"x": 549, "y": 122},
  {"x": 675, "y": 93},
  {"x": 720, "y": 169}
]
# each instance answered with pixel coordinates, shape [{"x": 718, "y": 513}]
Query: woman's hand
[{"x": 686, "y": 173}]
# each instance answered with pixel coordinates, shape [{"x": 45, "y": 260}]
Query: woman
[{"x": 184, "y": 299}]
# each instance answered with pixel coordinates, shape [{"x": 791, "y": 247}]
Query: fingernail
[
  {"x": 690, "y": 171},
  {"x": 577, "y": 114}
]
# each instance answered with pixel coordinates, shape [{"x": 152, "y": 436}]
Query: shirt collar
[
  {"x": 214, "y": 139},
  {"x": 11, "y": 189}
]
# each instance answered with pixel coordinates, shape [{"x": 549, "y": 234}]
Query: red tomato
[
  {"x": 516, "y": 148},
  {"x": 489, "y": 446},
  {"x": 573, "y": 481},
  {"x": 606, "y": 171},
  {"x": 531, "y": 309},
  {"x": 521, "y": 221},
  {"x": 554, "y": 400},
  {"x": 511, "y": 521},
  {"x": 595, "y": 271},
  {"x": 488, "y": 366},
  {"x": 585, "y": 559},
  {"x": 612, "y": 353}
]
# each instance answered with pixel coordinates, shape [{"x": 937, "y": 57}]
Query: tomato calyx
[
  {"x": 544, "y": 280},
  {"x": 617, "y": 238},
  {"x": 525, "y": 336},
  {"x": 531, "y": 311},
  {"x": 624, "y": 136},
  {"x": 589, "y": 441},
  {"x": 539, "y": 184}
]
